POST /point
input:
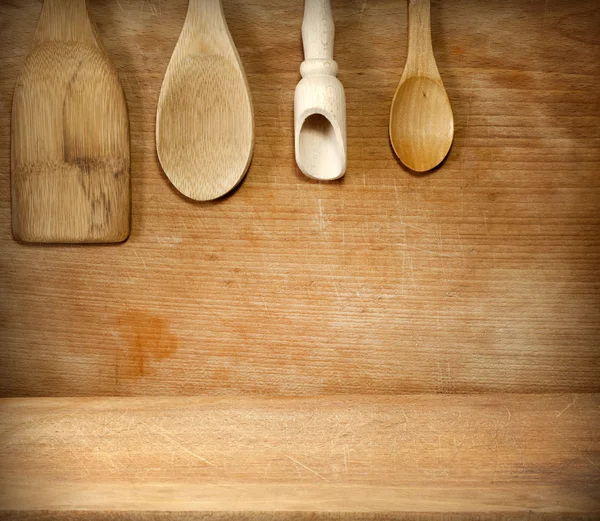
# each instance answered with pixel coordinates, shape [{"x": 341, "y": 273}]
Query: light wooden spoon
[
  {"x": 205, "y": 119},
  {"x": 421, "y": 121},
  {"x": 70, "y": 136}
]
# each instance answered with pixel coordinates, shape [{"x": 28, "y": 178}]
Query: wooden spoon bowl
[{"x": 424, "y": 138}]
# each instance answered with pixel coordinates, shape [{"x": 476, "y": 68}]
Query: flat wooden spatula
[{"x": 70, "y": 136}]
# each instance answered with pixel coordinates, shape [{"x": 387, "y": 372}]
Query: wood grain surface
[
  {"x": 483, "y": 455},
  {"x": 482, "y": 276}
]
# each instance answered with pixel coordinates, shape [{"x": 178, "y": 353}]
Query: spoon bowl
[
  {"x": 424, "y": 136},
  {"x": 205, "y": 133}
]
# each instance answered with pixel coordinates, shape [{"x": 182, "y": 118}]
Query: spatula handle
[
  {"x": 318, "y": 33},
  {"x": 64, "y": 20}
]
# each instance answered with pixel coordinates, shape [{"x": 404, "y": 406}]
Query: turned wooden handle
[{"x": 318, "y": 31}]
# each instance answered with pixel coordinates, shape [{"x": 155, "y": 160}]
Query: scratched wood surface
[
  {"x": 482, "y": 276},
  {"x": 437, "y": 454}
]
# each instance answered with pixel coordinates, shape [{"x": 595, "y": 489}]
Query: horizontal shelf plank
[{"x": 413, "y": 454}]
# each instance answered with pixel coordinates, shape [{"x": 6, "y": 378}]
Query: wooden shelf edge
[{"x": 429, "y": 455}]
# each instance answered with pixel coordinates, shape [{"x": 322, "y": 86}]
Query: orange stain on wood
[{"x": 147, "y": 341}]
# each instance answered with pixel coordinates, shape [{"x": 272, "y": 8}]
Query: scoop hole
[{"x": 320, "y": 152}]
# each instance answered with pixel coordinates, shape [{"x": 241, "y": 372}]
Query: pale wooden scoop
[
  {"x": 70, "y": 136},
  {"x": 319, "y": 100},
  {"x": 205, "y": 119},
  {"x": 421, "y": 121}
]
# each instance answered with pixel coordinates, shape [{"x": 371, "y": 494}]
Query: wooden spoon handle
[
  {"x": 205, "y": 32},
  {"x": 420, "y": 50}
]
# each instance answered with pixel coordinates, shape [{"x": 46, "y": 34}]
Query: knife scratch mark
[
  {"x": 307, "y": 468},
  {"x": 567, "y": 407},
  {"x": 177, "y": 444}
]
